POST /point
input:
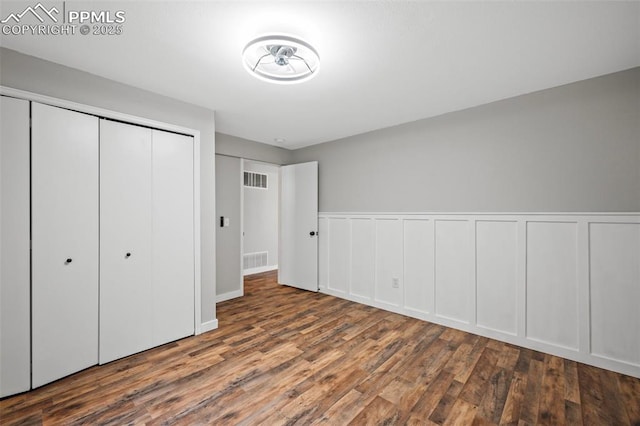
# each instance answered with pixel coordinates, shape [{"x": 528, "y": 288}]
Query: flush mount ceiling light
[{"x": 281, "y": 59}]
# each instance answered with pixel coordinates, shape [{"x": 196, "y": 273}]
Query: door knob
[
  {"x": 312, "y": 233},
  {"x": 128, "y": 255},
  {"x": 69, "y": 260}
]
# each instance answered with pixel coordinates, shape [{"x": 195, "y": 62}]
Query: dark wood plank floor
[{"x": 285, "y": 356}]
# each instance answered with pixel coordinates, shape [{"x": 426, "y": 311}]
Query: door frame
[
  {"x": 199, "y": 326},
  {"x": 242, "y": 160}
]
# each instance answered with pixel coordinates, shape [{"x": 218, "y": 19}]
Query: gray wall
[
  {"x": 261, "y": 213},
  {"x": 572, "y": 148},
  {"x": 228, "y": 274},
  {"x": 47, "y": 78},
  {"x": 250, "y": 150}
]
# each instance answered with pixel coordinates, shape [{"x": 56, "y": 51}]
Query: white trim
[
  {"x": 196, "y": 236},
  {"x": 212, "y": 260},
  {"x": 523, "y": 213},
  {"x": 101, "y": 112},
  {"x": 242, "y": 161},
  {"x": 229, "y": 295},
  {"x": 259, "y": 270},
  {"x": 105, "y": 113},
  {"x": 209, "y": 325}
]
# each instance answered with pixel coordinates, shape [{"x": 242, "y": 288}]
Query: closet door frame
[
  {"x": 200, "y": 327},
  {"x": 15, "y": 253}
]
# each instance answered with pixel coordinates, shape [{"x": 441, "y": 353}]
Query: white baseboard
[
  {"x": 260, "y": 269},
  {"x": 230, "y": 295},
  {"x": 209, "y": 325}
]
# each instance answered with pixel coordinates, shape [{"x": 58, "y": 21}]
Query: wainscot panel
[{"x": 561, "y": 283}]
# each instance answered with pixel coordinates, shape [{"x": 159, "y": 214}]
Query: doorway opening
[{"x": 260, "y": 216}]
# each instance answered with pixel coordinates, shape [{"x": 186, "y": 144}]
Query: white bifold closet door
[
  {"x": 173, "y": 229},
  {"x": 15, "y": 344},
  {"x": 64, "y": 193},
  {"x": 125, "y": 240},
  {"x": 146, "y": 239}
]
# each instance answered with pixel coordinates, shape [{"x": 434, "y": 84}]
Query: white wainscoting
[{"x": 567, "y": 284}]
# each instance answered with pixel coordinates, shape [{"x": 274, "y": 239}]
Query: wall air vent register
[{"x": 255, "y": 180}]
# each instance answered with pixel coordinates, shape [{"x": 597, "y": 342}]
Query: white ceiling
[{"x": 382, "y": 63}]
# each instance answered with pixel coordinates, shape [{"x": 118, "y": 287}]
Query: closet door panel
[
  {"x": 173, "y": 251},
  {"x": 125, "y": 240},
  {"x": 65, "y": 242},
  {"x": 15, "y": 343}
]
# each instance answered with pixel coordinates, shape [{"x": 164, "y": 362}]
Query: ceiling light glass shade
[{"x": 281, "y": 59}]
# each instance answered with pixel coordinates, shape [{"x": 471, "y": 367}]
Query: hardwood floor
[{"x": 286, "y": 356}]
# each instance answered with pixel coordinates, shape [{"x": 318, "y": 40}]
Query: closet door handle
[
  {"x": 128, "y": 255},
  {"x": 69, "y": 260}
]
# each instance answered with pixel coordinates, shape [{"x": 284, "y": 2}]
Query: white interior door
[
  {"x": 173, "y": 250},
  {"x": 64, "y": 190},
  {"x": 126, "y": 315},
  {"x": 15, "y": 297},
  {"x": 298, "y": 258}
]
